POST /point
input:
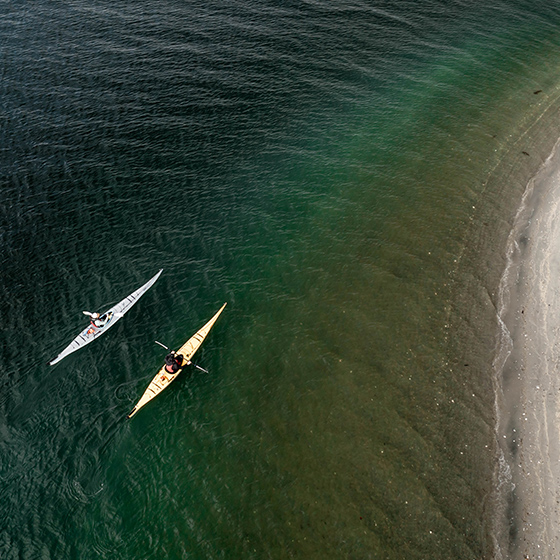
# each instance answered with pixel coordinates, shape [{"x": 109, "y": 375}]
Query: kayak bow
[
  {"x": 163, "y": 378},
  {"x": 111, "y": 316}
]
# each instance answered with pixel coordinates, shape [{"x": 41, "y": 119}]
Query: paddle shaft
[{"x": 163, "y": 345}]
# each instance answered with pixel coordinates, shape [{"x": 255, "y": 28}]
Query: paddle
[{"x": 163, "y": 345}]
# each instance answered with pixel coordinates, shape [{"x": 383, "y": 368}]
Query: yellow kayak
[{"x": 163, "y": 378}]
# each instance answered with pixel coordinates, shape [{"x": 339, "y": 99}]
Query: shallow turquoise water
[{"x": 325, "y": 171}]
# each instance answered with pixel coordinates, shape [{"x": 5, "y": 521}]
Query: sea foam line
[{"x": 504, "y": 484}]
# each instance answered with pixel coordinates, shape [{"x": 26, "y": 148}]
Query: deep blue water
[{"x": 341, "y": 175}]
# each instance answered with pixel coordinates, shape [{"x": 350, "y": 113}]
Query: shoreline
[
  {"x": 480, "y": 317},
  {"x": 527, "y": 367}
]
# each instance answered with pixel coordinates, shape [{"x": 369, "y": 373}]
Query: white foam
[{"x": 526, "y": 386}]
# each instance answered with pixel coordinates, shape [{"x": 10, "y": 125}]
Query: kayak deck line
[
  {"x": 91, "y": 332},
  {"x": 163, "y": 378}
]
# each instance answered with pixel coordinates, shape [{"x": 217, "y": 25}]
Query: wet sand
[{"x": 529, "y": 402}]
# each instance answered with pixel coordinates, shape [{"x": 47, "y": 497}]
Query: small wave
[
  {"x": 516, "y": 244},
  {"x": 76, "y": 491}
]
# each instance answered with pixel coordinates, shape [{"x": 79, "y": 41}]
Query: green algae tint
[{"x": 345, "y": 178}]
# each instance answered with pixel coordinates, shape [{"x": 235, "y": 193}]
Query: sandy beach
[{"x": 528, "y": 370}]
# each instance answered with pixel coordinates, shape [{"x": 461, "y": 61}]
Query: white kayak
[{"x": 106, "y": 320}]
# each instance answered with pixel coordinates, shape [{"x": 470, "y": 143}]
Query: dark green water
[{"x": 345, "y": 178}]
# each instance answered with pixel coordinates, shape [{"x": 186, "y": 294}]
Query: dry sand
[{"x": 529, "y": 402}]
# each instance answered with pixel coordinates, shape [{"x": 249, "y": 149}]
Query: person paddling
[
  {"x": 96, "y": 319},
  {"x": 174, "y": 362}
]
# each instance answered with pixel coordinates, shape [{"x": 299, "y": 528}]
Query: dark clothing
[{"x": 173, "y": 362}]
